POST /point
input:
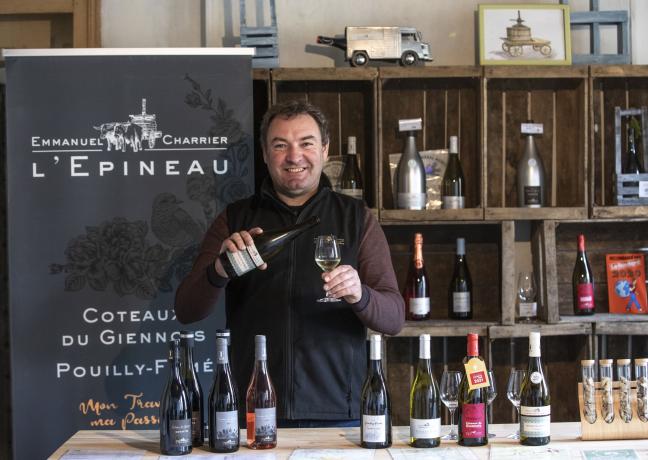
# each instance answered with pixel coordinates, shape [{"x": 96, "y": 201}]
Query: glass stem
[{"x": 453, "y": 429}]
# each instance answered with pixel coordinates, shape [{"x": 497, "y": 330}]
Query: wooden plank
[
  {"x": 619, "y": 212},
  {"x": 526, "y": 72},
  {"x": 325, "y": 73},
  {"x": 606, "y": 318},
  {"x": 494, "y": 99},
  {"x": 535, "y": 213},
  {"x": 516, "y": 111},
  {"x": 550, "y": 281},
  {"x": 470, "y": 148},
  {"x": 509, "y": 278},
  {"x": 447, "y": 328},
  {"x": 523, "y": 330},
  {"x": 436, "y": 117},
  {"x": 431, "y": 72},
  {"x": 430, "y": 215},
  {"x": 36, "y": 6},
  {"x": 619, "y": 71},
  {"x": 538, "y": 262},
  {"x": 623, "y": 328}
]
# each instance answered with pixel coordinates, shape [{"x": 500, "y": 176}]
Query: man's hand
[
  {"x": 344, "y": 282},
  {"x": 237, "y": 241}
]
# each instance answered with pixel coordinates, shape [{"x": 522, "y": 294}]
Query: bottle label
[
  {"x": 411, "y": 200},
  {"x": 476, "y": 373},
  {"x": 425, "y": 428},
  {"x": 196, "y": 425},
  {"x": 227, "y": 427},
  {"x": 535, "y": 422},
  {"x": 532, "y": 195},
  {"x": 374, "y": 428},
  {"x": 244, "y": 261},
  {"x": 265, "y": 424},
  {"x": 352, "y": 192},
  {"x": 461, "y": 302},
  {"x": 180, "y": 431},
  {"x": 473, "y": 420},
  {"x": 585, "y": 296},
  {"x": 528, "y": 309},
  {"x": 536, "y": 377},
  {"x": 453, "y": 202},
  {"x": 419, "y": 305}
]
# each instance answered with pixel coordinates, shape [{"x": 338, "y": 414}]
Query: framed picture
[{"x": 512, "y": 34}]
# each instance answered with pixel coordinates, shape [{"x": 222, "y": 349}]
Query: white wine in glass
[{"x": 327, "y": 257}]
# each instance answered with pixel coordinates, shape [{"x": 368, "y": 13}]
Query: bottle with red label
[
  {"x": 417, "y": 286},
  {"x": 583, "y": 282},
  {"x": 472, "y": 422}
]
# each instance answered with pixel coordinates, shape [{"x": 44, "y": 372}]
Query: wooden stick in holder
[{"x": 617, "y": 429}]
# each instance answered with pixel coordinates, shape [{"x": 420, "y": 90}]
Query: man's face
[{"x": 295, "y": 156}]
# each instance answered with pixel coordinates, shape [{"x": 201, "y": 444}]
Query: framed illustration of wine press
[{"x": 631, "y": 188}]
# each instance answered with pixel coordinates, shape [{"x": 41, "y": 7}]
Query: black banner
[{"x": 117, "y": 163}]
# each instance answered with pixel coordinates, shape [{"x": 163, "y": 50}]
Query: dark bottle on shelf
[
  {"x": 453, "y": 188},
  {"x": 417, "y": 286},
  {"x": 375, "y": 426},
  {"x": 175, "y": 409},
  {"x": 460, "y": 291},
  {"x": 583, "y": 282},
  {"x": 472, "y": 422},
  {"x": 351, "y": 178},
  {"x": 266, "y": 245},
  {"x": 194, "y": 390},
  {"x": 425, "y": 413},
  {"x": 535, "y": 402},
  {"x": 261, "y": 402},
  {"x": 633, "y": 164},
  {"x": 223, "y": 405}
]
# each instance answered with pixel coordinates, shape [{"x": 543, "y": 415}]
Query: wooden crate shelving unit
[
  {"x": 448, "y": 100},
  {"x": 622, "y": 86},
  {"x": 557, "y": 97}
]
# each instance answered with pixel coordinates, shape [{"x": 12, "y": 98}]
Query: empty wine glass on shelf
[
  {"x": 327, "y": 257},
  {"x": 491, "y": 393},
  {"x": 526, "y": 292},
  {"x": 450, "y": 381},
  {"x": 513, "y": 394}
]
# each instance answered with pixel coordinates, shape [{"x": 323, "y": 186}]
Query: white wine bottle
[
  {"x": 351, "y": 178},
  {"x": 530, "y": 170},
  {"x": 453, "y": 186},
  {"x": 410, "y": 173},
  {"x": 535, "y": 403},
  {"x": 266, "y": 245},
  {"x": 375, "y": 426},
  {"x": 460, "y": 290},
  {"x": 425, "y": 411}
]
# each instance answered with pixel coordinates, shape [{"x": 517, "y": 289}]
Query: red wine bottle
[
  {"x": 175, "y": 409},
  {"x": 583, "y": 282},
  {"x": 375, "y": 426},
  {"x": 266, "y": 245},
  {"x": 194, "y": 390},
  {"x": 417, "y": 287},
  {"x": 223, "y": 405},
  {"x": 261, "y": 402},
  {"x": 460, "y": 291},
  {"x": 472, "y": 421}
]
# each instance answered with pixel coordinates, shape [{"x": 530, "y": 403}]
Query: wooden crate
[
  {"x": 622, "y": 86},
  {"x": 348, "y": 98},
  {"x": 556, "y": 97},
  {"x": 448, "y": 100},
  {"x": 601, "y": 238}
]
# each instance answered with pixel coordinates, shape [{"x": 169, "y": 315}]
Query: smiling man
[{"x": 316, "y": 351}]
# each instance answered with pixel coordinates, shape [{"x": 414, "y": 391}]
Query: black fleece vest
[{"x": 316, "y": 351}]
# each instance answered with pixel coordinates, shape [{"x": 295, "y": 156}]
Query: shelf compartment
[
  {"x": 622, "y": 86},
  {"x": 557, "y": 98},
  {"x": 447, "y": 99}
]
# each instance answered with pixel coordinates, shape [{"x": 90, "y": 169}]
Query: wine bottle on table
[
  {"x": 266, "y": 245},
  {"x": 535, "y": 403},
  {"x": 453, "y": 187},
  {"x": 194, "y": 390},
  {"x": 223, "y": 405},
  {"x": 417, "y": 286},
  {"x": 473, "y": 398},
  {"x": 225, "y": 334},
  {"x": 175, "y": 409},
  {"x": 460, "y": 291},
  {"x": 375, "y": 426},
  {"x": 261, "y": 402},
  {"x": 583, "y": 282},
  {"x": 351, "y": 178},
  {"x": 410, "y": 173},
  {"x": 530, "y": 170},
  {"x": 425, "y": 411}
]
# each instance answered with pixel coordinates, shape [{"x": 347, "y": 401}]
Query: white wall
[{"x": 448, "y": 25}]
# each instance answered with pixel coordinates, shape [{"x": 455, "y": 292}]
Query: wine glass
[
  {"x": 491, "y": 393},
  {"x": 513, "y": 394},
  {"x": 450, "y": 381},
  {"x": 327, "y": 257},
  {"x": 526, "y": 292}
]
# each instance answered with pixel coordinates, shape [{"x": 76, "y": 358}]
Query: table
[{"x": 563, "y": 436}]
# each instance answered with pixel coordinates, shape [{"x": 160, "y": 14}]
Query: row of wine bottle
[
  {"x": 425, "y": 409},
  {"x": 181, "y": 406}
]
